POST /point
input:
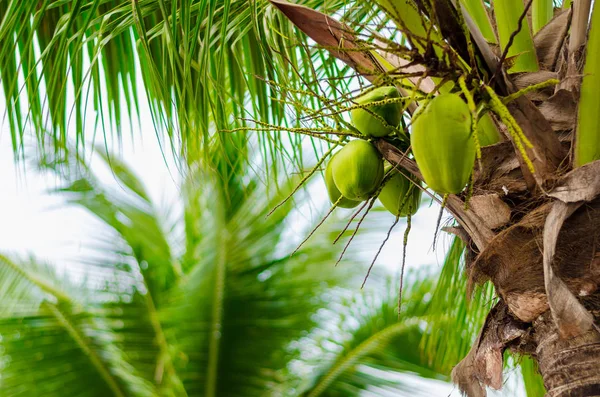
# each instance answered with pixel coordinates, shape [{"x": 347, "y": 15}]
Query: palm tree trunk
[
  {"x": 524, "y": 264},
  {"x": 571, "y": 366}
]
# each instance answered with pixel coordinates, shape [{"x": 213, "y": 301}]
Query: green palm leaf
[
  {"x": 57, "y": 346},
  {"x": 376, "y": 344},
  {"x": 204, "y": 66},
  {"x": 454, "y": 319}
]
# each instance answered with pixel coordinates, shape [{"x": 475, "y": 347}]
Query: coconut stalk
[
  {"x": 408, "y": 20},
  {"x": 521, "y": 52},
  {"x": 478, "y": 12},
  {"x": 541, "y": 13},
  {"x": 587, "y": 139},
  {"x": 579, "y": 24}
]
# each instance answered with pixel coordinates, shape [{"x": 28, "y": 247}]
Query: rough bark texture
[
  {"x": 565, "y": 345},
  {"x": 570, "y": 367}
]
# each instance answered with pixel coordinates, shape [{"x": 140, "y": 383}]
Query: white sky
[{"x": 32, "y": 221}]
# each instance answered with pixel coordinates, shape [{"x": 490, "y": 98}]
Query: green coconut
[
  {"x": 367, "y": 123},
  {"x": 394, "y": 193},
  {"x": 357, "y": 170},
  {"x": 442, "y": 143},
  {"x": 333, "y": 191}
]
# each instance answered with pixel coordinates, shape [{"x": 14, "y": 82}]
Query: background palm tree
[{"x": 203, "y": 299}]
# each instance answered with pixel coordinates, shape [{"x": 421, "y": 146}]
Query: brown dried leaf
[
  {"x": 336, "y": 37},
  {"x": 475, "y": 226},
  {"x": 581, "y": 184},
  {"x": 500, "y": 172},
  {"x": 493, "y": 157},
  {"x": 491, "y": 209},
  {"x": 577, "y": 187},
  {"x": 570, "y": 317},
  {"x": 483, "y": 365},
  {"x": 550, "y": 39},
  {"x": 560, "y": 110},
  {"x": 527, "y": 305},
  {"x": 513, "y": 262},
  {"x": 524, "y": 80},
  {"x": 570, "y": 70}
]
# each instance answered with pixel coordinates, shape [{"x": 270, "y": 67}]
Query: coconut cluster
[
  {"x": 354, "y": 174},
  {"x": 442, "y": 144}
]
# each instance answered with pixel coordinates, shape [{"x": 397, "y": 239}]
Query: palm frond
[
  {"x": 454, "y": 320},
  {"x": 249, "y": 299},
  {"x": 127, "y": 209},
  {"x": 18, "y": 279},
  {"x": 52, "y": 342},
  {"x": 248, "y": 296},
  {"x": 136, "y": 245},
  {"x": 78, "y": 67},
  {"x": 376, "y": 344},
  {"x": 534, "y": 384},
  {"x": 586, "y": 143}
]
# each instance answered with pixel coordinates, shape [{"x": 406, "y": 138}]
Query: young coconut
[
  {"x": 333, "y": 191},
  {"x": 442, "y": 143},
  {"x": 357, "y": 170},
  {"x": 370, "y": 125},
  {"x": 394, "y": 193}
]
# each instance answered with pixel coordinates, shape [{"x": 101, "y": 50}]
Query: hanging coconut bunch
[
  {"x": 334, "y": 193},
  {"x": 505, "y": 133},
  {"x": 354, "y": 173},
  {"x": 357, "y": 170},
  {"x": 401, "y": 196}
]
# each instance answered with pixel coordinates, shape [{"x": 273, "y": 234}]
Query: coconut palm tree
[
  {"x": 202, "y": 299},
  {"x": 518, "y": 68},
  {"x": 216, "y": 69},
  {"x": 527, "y": 247}
]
